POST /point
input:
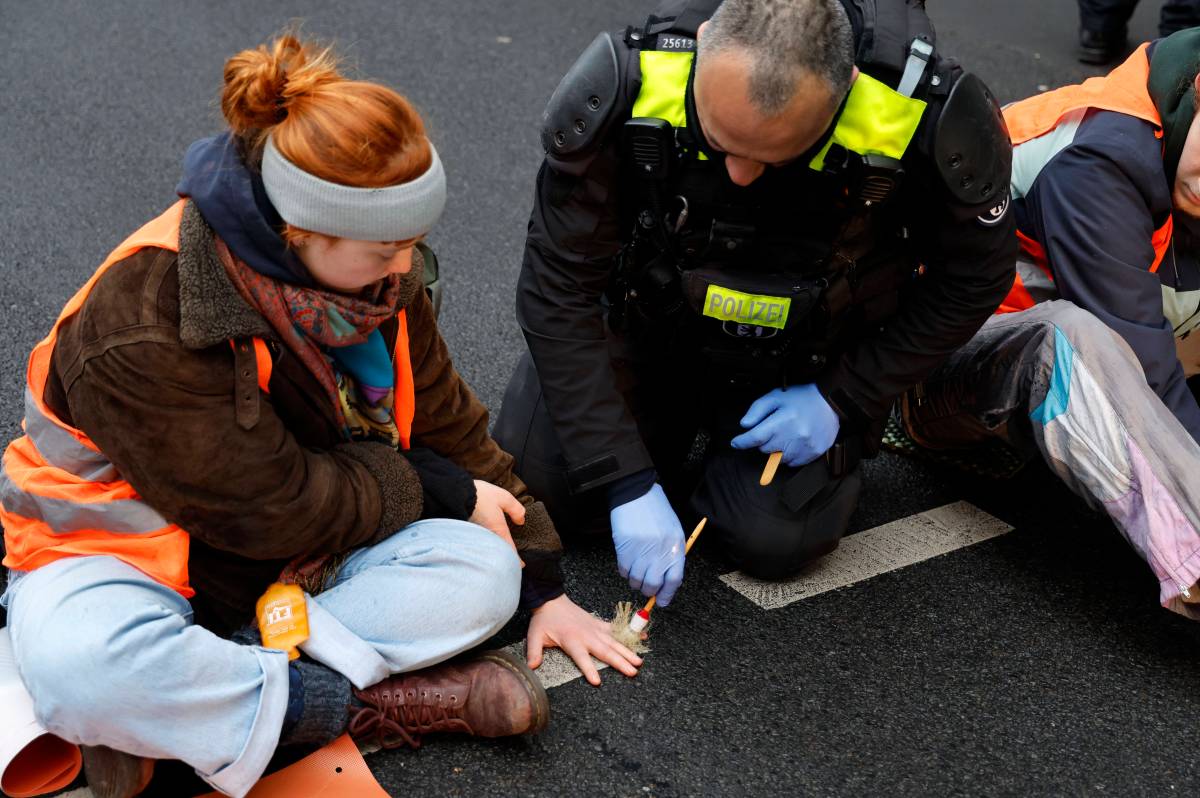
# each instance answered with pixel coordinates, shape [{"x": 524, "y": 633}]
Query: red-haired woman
[{"x": 251, "y": 385}]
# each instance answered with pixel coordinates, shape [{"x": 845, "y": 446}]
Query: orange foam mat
[
  {"x": 336, "y": 771},
  {"x": 32, "y": 762},
  {"x": 45, "y": 765}
]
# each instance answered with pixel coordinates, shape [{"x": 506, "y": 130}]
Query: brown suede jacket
[{"x": 146, "y": 369}]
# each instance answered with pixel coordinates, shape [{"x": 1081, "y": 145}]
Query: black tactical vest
[{"x": 766, "y": 283}]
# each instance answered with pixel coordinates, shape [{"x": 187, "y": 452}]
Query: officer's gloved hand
[
  {"x": 796, "y": 421},
  {"x": 649, "y": 542}
]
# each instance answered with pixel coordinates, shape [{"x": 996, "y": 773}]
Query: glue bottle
[{"x": 640, "y": 620}]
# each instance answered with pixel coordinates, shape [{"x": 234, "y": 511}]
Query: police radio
[
  {"x": 650, "y": 144},
  {"x": 872, "y": 179},
  {"x": 649, "y": 150}
]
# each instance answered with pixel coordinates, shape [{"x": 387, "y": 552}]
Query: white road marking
[
  {"x": 556, "y": 668},
  {"x": 894, "y": 545}
]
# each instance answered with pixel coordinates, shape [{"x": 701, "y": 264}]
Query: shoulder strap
[
  {"x": 252, "y": 365},
  {"x": 920, "y": 52}
]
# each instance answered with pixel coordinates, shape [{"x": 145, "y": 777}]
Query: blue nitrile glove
[
  {"x": 796, "y": 421},
  {"x": 649, "y": 542}
]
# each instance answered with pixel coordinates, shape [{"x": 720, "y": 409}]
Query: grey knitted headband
[{"x": 393, "y": 213}]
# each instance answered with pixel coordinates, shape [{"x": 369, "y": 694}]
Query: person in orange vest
[
  {"x": 1086, "y": 362},
  {"x": 252, "y": 388}
]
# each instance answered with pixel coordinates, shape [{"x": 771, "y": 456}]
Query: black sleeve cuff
[
  {"x": 608, "y": 467},
  {"x": 630, "y": 487},
  {"x": 448, "y": 491},
  {"x": 851, "y": 413},
  {"x": 541, "y": 578}
]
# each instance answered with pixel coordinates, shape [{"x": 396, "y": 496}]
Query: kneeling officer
[{"x": 763, "y": 225}]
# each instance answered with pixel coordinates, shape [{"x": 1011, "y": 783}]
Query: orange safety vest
[
  {"x": 1124, "y": 91},
  {"x": 61, "y": 497}
]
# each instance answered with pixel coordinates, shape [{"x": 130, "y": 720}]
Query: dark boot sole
[
  {"x": 115, "y": 774},
  {"x": 1100, "y": 49},
  {"x": 541, "y": 701},
  {"x": 1096, "y": 57}
]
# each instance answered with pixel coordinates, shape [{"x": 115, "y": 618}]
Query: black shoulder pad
[
  {"x": 971, "y": 146},
  {"x": 578, "y": 112}
]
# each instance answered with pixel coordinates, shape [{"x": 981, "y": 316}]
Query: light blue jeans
[{"x": 112, "y": 657}]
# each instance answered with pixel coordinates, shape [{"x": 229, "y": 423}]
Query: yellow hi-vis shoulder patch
[{"x": 757, "y": 309}]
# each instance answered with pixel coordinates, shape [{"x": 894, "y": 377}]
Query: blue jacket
[{"x": 1091, "y": 195}]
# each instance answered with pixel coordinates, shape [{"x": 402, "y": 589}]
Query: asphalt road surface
[{"x": 1033, "y": 662}]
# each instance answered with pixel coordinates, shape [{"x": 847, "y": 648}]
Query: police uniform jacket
[{"x": 576, "y": 230}]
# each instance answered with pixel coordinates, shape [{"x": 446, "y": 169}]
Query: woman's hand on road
[
  {"x": 564, "y": 624},
  {"x": 493, "y": 507}
]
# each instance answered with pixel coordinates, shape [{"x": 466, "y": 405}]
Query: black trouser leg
[
  {"x": 1108, "y": 17},
  {"x": 1177, "y": 15},
  {"x": 666, "y": 422},
  {"x": 772, "y": 532},
  {"x": 524, "y": 430}
]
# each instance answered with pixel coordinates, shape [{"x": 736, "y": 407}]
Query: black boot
[{"x": 1096, "y": 47}]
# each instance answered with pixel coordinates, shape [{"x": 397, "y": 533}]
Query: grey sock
[
  {"x": 324, "y": 699},
  {"x": 247, "y": 636}
]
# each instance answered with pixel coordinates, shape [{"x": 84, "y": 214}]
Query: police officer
[{"x": 757, "y": 223}]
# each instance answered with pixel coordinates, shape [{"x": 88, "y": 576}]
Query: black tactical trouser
[
  {"x": 1111, "y": 16},
  {"x": 770, "y": 532}
]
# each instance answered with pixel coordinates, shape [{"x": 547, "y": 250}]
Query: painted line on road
[
  {"x": 890, "y": 547},
  {"x": 556, "y": 668},
  {"x": 894, "y": 545}
]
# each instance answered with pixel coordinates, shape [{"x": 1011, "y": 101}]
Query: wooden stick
[
  {"x": 686, "y": 548},
  {"x": 772, "y": 466}
]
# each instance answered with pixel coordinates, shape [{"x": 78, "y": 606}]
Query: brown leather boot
[
  {"x": 492, "y": 694},
  {"x": 942, "y": 418},
  {"x": 115, "y": 774}
]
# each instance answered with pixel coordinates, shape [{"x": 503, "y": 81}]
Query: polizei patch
[{"x": 726, "y": 304}]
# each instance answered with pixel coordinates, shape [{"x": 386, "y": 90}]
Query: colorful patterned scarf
[{"x": 336, "y": 336}]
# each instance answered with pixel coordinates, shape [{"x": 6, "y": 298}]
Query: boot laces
[{"x": 399, "y": 720}]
